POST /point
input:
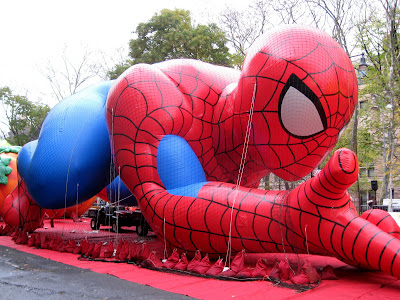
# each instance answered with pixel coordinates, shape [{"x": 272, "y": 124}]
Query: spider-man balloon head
[{"x": 305, "y": 92}]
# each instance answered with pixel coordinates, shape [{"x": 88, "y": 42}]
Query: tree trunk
[
  {"x": 353, "y": 147},
  {"x": 393, "y": 52}
]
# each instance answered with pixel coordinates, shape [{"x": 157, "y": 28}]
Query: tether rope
[{"x": 240, "y": 175}]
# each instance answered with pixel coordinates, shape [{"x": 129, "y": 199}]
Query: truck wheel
[
  {"x": 143, "y": 228},
  {"x": 94, "y": 224}
]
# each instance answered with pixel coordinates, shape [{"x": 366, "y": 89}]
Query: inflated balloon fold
[{"x": 70, "y": 162}]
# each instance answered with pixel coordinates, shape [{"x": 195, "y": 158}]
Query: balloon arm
[
  {"x": 282, "y": 213},
  {"x": 317, "y": 217}
]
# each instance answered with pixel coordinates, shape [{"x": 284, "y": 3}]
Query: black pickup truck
[{"x": 118, "y": 216}]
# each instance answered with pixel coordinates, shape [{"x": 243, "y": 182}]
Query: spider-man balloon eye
[{"x": 300, "y": 111}]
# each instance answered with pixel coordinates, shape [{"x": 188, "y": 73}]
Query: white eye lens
[
  {"x": 300, "y": 111},
  {"x": 299, "y": 115}
]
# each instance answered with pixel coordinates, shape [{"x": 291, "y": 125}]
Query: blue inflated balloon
[
  {"x": 70, "y": 162},
  {"x": 119, "y": 194}
]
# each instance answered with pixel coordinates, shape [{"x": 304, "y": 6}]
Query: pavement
[{"x": 30, "y": 277}]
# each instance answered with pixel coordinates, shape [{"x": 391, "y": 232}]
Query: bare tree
[
  {"x": 109, "y": 61},
  {"x": 392, "y": 60},
  {"x": 66, "y": 76},
  {"x": 240, "y": 33},
  {"x": 334, "y": 16},
  {"x": 294, "y": 12},
  {"x": 338, "y": 16}
]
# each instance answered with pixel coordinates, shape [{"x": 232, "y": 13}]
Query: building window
[{"x": 367, "y": 171}]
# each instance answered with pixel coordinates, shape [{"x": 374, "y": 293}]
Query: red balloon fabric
[
  {"x": 31, "y": 241},
  {"x": 123, "y": 254},
  {"x": 108, "y": 251},
  {"x": 203, "y": 266},
  {"x": 184, "y": 132},
  {"x": 383, "y": 220},
  {"x": 195, "y": 261},
  {"x": 238, "y": 262},
  {"x": 245, "y": 273},
  {"x": 182, "y": 264},
  {"x": 216, "y": 268},
  {"x": 172, "y": 260},
  {"x": 261, "y": 269},
  {"x": 20, "y": 210},
  {"x": 328, "y": 273},
  {"x": 300, "y": 279},
  {"x": 284, "y": 270}
]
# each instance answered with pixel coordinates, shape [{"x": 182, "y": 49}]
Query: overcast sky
[{"x": 33, "y": 32}]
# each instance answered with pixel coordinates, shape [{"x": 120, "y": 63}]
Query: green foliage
[
  {"x": 237, "y": 60},
  {"x": 170, "y": 34},
  {"x": 373, "y": 39},
  {"x": 12, "y": 149},
  {"x": 378, "y": 38},
  {"x": 119, "y": 69},
  {"x": 367, "y": 143},
  {"x": 4, "y": 170},
  {"x": 23, "y": 118}
]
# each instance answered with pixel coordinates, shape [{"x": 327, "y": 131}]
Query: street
[{"x": 27, "y": 276}]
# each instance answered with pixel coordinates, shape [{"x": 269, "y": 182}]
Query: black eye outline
[{"x": 299, "y": 85}]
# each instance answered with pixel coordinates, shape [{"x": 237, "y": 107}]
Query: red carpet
[{"x": 351, "y": 283}]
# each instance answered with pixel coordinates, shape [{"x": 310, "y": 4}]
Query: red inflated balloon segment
[
  {"x": 192, "y": 142},
  {"x": 21, "y": 211},
  {"x": 308, "y": 89}
]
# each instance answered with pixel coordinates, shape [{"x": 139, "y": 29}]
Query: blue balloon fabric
[
  {"x": 179, "y": 168},
  {"x": 118, "y": 193},
  {"x": 70, "y": 162}
]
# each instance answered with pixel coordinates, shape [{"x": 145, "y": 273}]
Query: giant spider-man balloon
[{"x": 192, "y": 142}]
